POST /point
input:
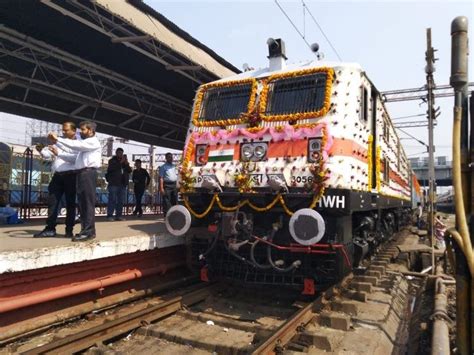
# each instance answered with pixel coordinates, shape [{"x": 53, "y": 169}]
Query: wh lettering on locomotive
[{"x": 291, "y": 174}]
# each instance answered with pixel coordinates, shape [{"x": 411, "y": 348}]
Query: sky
[{"x": 387, "y": 38}]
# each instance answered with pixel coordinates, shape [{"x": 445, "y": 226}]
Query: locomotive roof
[{"x": 264, "y": 72}]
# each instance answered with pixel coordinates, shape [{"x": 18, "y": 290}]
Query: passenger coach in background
[{"x": 291, "y": 175}]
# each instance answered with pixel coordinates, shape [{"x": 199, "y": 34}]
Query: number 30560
[{"x": 302, "y": 179}]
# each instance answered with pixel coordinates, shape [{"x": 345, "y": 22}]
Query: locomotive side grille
[
  {"x": 297, "y": 95},
  {"x": 223, "y": 103}
]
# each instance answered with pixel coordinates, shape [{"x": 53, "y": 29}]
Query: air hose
[{"x": 461, "y": 236}]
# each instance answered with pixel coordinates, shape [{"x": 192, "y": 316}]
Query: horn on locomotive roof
[
  {"x": 276, "y": 54},
  {"x": 315, "y": 49}
]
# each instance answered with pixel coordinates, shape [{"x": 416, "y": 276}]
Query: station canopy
[{"x": 116, "y": 62}]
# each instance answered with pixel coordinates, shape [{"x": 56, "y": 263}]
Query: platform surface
[{"x": 20, "y": 251}]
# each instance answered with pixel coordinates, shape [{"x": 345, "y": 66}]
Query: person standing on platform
[
  {"x": 168, "y": 179},
  {"x": 89, "y": 153},
  {"x": 62, "y": 184},
  {"x": 141, "y": 180},
  {"x": 117, "y": 176},
  {"x": 419, "y": 215}
]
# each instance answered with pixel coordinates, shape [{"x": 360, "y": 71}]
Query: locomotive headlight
[
  {"x": 314, "y": 149},
  {"x": 247, "y": 151},
  {"x": 315, "y": 144},
  {"x": 201, "y": 158},
  {"x": 253, "y": 151},
  {"x": 260, "y": 151}
]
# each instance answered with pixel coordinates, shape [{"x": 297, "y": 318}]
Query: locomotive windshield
[
  {"x": 222, "y": 103},
  {"x": 296, "y": 94}
]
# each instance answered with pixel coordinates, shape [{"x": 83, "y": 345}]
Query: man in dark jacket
[
  {"x": 141, "y": 180},
  {"x": 117, "y": 177}
]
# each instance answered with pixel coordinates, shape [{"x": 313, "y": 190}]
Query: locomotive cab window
[
  {"x": 226, "y": 102},
  {"x": 364, "y": 104},
  {"x": 297, "y": 94},
  {"x": 386, "y": 131},
  {"x": 386, "y": 171}
]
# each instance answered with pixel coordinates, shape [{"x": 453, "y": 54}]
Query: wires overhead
[
  {"x": 321, "y": 29},
  {"x": 410, "y": 116},
  {"x": 303, "y": 35},
  {"x": 413, "y": 137},
  {"x": 416, "y": 154},
  {"x": 293, "y": 24}
]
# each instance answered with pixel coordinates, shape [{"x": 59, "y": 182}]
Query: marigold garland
[
  {"x": 252, "y": 119},
  {"x": 305, "y": 125},
  {"x": 229, "y": 209},
  {"x": 377, "y": 168},
  {"x": 227, "y": 122},
  {"x": 244, "y": 183},
  {"x": 255, "y": 129},
  {"x": 243, "y": 180},
  {"x": 300, "y": 115},
  {"x": 320, "y": 173},
  {"x": 186, "y": 178},
  {"x": 369, "y": 161},
  {"x": 263, "y": 209},
  {"x": 206, "y": 211},
  {"x": 278, "y": 198},
  {"x": 317, "y": 197}
]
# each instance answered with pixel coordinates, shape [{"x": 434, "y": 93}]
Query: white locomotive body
[{"x": 296, "y": 172}]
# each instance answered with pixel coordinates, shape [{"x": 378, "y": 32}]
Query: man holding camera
[
  {"x": 62, "y": 184},
  {"x": 89, "y": 151}
]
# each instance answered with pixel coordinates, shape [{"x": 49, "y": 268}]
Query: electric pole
[
  {"x": 151, "y": 151},
  {"x": 431, "y": 113}
]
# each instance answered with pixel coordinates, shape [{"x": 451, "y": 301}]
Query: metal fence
[{"x": 24, "y": 179}]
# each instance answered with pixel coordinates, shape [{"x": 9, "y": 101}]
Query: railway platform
[
  {"x": 46, "y": 280},
  {"x": 20, "y": 251}
]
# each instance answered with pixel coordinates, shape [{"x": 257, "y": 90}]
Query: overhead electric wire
[
  {"x": 321, "y": 29},
  {"x": 294, "y": 26},
  {"x": 410, "y": 116},
  {"x": 416, "y": 154},
  {"x": 413, "y": 137}
]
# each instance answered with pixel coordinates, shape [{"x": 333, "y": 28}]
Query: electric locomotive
[{"x": 290, "y": 174}]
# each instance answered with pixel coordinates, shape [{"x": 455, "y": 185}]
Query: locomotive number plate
[{"x": 302, "y": 179}]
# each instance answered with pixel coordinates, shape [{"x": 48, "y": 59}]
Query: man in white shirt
[
  {"x": 89, "y": 152},
  {"x": 62, "y": 183}
]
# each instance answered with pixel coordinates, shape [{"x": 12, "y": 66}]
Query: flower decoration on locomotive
[
  {"x": 278, "y": 133},
  {"x": 198, "y": 103},
  {"x": 243, "y": 180},
  {"x": 319, "y": 156},
  {"x": 292, "y": 117},
  {"x": 185, "y": 171},
  {"x": 252, "y": 119}
]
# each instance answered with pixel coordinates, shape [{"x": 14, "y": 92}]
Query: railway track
[{"x": 366, "y": 309}]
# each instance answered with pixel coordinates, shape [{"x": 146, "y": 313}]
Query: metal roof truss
[{"x": 43, "y": 78}]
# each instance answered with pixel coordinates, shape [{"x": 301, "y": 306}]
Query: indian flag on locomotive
[{"x": 221, "y": 153}]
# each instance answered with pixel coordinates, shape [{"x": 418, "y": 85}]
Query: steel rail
[
  {"x": 283, "y": 335},
  {"x": 287, "y": 331},
  {"x": 111, "y": 329}
]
